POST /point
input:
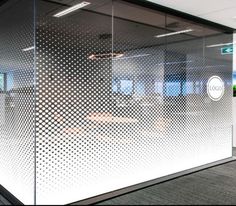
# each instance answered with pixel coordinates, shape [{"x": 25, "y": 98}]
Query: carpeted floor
[
  {"x": 214, "y": 186},
  {"x": 3, "y": 201}
]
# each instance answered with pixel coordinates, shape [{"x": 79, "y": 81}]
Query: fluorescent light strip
[
  {"x": 222, "y": 44},
  {"x": 71, "y": 9},
  {"x": 211, "y": 66},
  {"x": 28, "y": 49},
  {"x": 174, "y": 33},
  {"x": 170, "y": 63},
  {"x": 105, "y": 56}
]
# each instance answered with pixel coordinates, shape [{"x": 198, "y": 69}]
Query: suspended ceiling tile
[{"x": 219, "y": 11}]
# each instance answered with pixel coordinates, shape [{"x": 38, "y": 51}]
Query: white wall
[
  {"x": 234, "y": 99},
  {"x": 234, "y": 121}
]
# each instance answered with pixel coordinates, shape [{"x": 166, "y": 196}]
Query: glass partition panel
[
  {"x": 74, "y": 100},
  {"x": 101, "y": 95},
  {"x": 178, "y": 125},
  {"x": 202, "y": 137},
  {"x": 17, "y": 98},
  {"x": 141, "y": 145},
  {"x": 121, "y": 98},
  {"x": 218, "y": 67}
]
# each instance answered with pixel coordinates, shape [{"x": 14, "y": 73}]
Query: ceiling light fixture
[
  {"x": 71, "y": 9},
  {"x": 174, "y": 33},
  {"x": 222, "y": 44},
  {"x": 170, "y": 63},
  {"x": 28, "y": 49},
  {"x": 105, "y": 56}
]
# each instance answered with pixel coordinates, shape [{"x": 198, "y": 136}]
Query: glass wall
[
  {"x": 17, "y": 98},
  {"x": 105, "y": 97},
  {"x": 169, "y": 60},
  {"x": 74, "y": 87}
]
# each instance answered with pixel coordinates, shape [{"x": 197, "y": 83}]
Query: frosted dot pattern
[
  {"x": 105, "y": 124},
  {"x": 17, "y": 100}
]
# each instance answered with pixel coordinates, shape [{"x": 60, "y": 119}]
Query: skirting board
[{"x": 133, "y": 188}]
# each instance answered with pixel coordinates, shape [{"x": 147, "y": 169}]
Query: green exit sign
[{"x": 227, "y": 50}]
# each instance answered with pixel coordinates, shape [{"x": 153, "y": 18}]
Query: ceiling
[
  {"x": 134, "y": 28},
  {"x": 218, "y": 11}
]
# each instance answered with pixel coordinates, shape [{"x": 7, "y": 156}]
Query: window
[
  {"x": 139, "y": 88},
  {"x": 159, "y": 88},
  {"x": 188, "y": 88},
  {"x": 124, "y": 86},
  {"x": 2, "y": 82},
  {"x": 197, "y": 87},
  {"x": 172, "y": 88},
  {"x": 10, "y": 81},
  {"x": 115, "y": 85}
]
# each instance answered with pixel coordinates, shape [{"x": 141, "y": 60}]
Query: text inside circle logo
[{"x": 215, "y": 88}]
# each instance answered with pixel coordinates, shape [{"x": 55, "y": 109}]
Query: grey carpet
[
  {"x": 3, "y": 201},
  {"x": 214, "y": 186}
]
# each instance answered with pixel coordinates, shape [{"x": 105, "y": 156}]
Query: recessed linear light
[
  {"x": 174, "y": 33},
  {"x": 180, "y": 62},
  {"x": 222, "y": 44},
  {"x": 71, "y": 9},
  {"x": 28, "y": 49},
  {"x": 105, "y": 56}
]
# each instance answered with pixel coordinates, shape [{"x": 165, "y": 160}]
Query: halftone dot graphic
[
  {"x": 107, "y": 97},
  {"x": 17, "y": 101},
  {"x": 106, "y": 123}
]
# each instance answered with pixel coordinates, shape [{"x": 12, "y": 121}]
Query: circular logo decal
[{"x": 215, "y": 88}]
